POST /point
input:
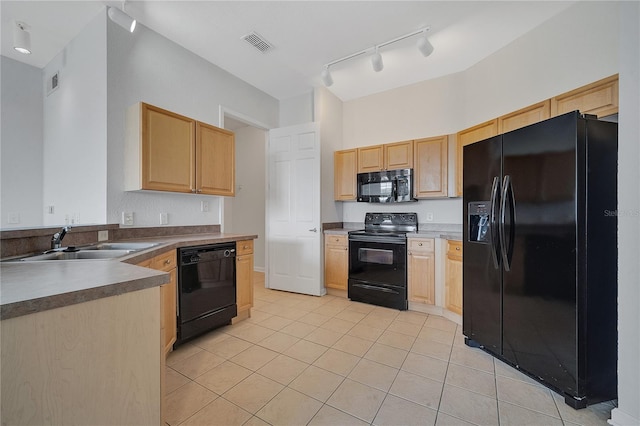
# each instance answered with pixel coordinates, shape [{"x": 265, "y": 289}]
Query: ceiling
[{"x": 305, "y": 36}]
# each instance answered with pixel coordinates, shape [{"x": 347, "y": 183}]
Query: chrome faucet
[{"x": 56, "y": 240}]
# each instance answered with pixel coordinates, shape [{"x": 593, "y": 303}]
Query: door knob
[{"x": 313, "y": 230}]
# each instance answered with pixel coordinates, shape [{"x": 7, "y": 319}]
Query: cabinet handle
[
  {"x": 199, "y": 191},
  {"x": 193, "y": 191},
  {"x": 245, "y": 247},
  {"x": 167, "y": 262},
  {"x": 420, "y": 244},
  {"x": 457, "y": 248}
]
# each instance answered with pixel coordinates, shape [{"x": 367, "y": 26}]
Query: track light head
[
  {"x": 376, "y": 61},
  {"x": 122, "y": 19},
  {"x": 424, "y": 46},
  {"x": 326, "y": 77},
  {"x": 21, "y": 38}
]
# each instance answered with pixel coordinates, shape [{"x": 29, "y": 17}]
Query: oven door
[{"x": 378, "y": 271}]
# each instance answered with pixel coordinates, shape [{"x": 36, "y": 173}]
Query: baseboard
[
  {"x": 620, "y": 418},
  {"x": 258, "y": 269},
  {"x": 336, "y": 292}
]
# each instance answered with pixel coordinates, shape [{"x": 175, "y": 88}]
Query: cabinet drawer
[
  {"x": 244, "y": 247},
  {"x": 454, "y": 249},
  {"x": 165, "y": 261},
  {"x": 336, "y": 240},
  {"x": 421, "y": 245}
]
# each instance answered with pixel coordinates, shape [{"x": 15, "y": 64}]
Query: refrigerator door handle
[
  {"x": 495, "y": 243},
  {"x": 507, "y": 189}
]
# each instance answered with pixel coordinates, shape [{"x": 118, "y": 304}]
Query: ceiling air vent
[{"x": 257, "y": 41}]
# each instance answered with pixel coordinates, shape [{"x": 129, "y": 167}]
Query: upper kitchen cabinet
[
  {"x": 169, "y": 152},
  {"x": 525, "y": 116},
  {"x": 215, "y": 160},
  {"x": 392, "y": 156},
  {"x": 345, "y": 169},
  {"x": 599, "y": 98},
  {"x": 468, "y": 136},
  {"x": 430, "y": 167}
]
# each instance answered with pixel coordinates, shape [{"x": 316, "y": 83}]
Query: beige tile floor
[{"x": 304, "y": 360}]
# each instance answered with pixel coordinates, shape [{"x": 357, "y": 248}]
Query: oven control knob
[{"x": 227, "y": 253}]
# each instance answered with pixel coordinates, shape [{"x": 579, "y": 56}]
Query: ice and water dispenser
[{"x": 479, "y": 223}]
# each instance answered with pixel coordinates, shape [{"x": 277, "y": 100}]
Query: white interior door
[{"x": 293, "y": 210}]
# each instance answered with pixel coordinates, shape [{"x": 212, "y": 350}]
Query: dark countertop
[{"x": 29, "y": 287}]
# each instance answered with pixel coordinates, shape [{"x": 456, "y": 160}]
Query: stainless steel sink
[
  {"x": 80, "y": 254},
  {"x": 120, "y": 246}
]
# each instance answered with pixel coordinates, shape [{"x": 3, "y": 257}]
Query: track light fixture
[
  {"x": 423, "y": 46},
  {"x": 376, "y": 61},
  {"x": 121, "y": 18},
  {"x": 326, "y": 76},
  {"x": 21, "y": 38}
]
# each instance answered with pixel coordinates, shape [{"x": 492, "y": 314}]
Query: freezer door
[
  {"x": 481, "y": 278},
  {"x": 539, "y": 250}
]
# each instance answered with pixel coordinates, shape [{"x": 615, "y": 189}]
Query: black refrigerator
[{"x": 540, "y": 253}]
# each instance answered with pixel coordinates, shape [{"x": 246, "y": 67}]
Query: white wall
[
  {"x": 572, "y": 49},
  {"x": 75, "y": 130},
  {"x": 21, "y": 143},
  {"x": 296, "y": 110},
  {"x": 248, "y": 206},
  {"x": 144, "y": 66},
  {"x": 628, "y": 411}
]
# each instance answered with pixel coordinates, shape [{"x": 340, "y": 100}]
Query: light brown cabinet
[
  {"x": 453, "y": 277},
  {"x": 430, "y": 167},
  {"x": 421, "y": 270},
  {"x": 392, "y": 156},
  {"x": 244, "y": 277},
  {"x": 336, "y": 261},
  {"x": 599, "y": 98},
  {"x": 525, "y": 116},
  {"x": 468, "y": 136},
  {"x": 166, "y": 151},
  {"x": 345, "y": 164}
]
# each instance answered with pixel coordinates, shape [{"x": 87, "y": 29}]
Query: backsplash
[{"x": 27, "y": 241}]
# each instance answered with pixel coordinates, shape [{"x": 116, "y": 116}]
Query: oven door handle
[
  {"x": 370, "y": 239},
  {"x": 372, "y": 287}
]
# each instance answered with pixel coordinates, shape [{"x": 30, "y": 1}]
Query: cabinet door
[
  {"x": 215, "y": 160},
  {"x": 370, "y": 159},
  {"x": 468, "y": 136},
  {"x": 244, "y": 282},
  {"x": 430, "y": 167},
  {"x": 345, "y": 170},
  {"x": 421, "y": 274},
  {"x": 398, "y": 155},
  {"x": 453, "y": 277},
  {"x": 336, "y": 262},
  {"x": 530, "y": 115},
  {"x": 168, "y": 150},
  {"x": 599, "y": 98}
]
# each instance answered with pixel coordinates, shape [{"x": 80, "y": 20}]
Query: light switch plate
[
  {"x": 429, "y": 217},
  {"x": 103, "y": 235},
  {"x": 164, "y": 218},
  {"x": 127, "y": 218}
]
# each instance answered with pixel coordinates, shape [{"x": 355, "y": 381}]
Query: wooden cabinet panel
[
  {"x": 215, "y": 160},
  {"x": 421, "y": 271},
  {"x": 370, "y": 159},
  {"x": 167, "y": 150},
  {"x": 453, "y": 277},
  {"x": 398, "y": 155},
  {"x": 468, "y": 136},
  {"x": 430, "y": 167},
  {"x": 244, "y": 276},
  {"x": 599, "y": 98},
  {"x": 345, "y": 170},
  {"x": 168, "y": 301},
  {"x": 524, "y": 117},
  {"x": 336, "y": 261}
]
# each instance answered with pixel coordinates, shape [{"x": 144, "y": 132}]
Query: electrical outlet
[
  {"x": 103, "y": 235},
  {"x": 13, "y": 218},
  {"x": 164, "y": 218},
  {"x": 204, "y": 206},
  {"x": 51, "y": 209},
  {"x": 75, "y": 218},
  {"x": 429, "y": 217},
  {"x": 127, "y": 218}
]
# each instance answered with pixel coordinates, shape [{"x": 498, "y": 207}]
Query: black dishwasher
[{"x": 206, "y": 288}]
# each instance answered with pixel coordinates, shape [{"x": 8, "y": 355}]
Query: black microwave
[{"x": 388, "y": 186}]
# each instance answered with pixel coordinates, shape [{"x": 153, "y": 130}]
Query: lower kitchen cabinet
[
  {"x": 421, "y": 270},
  {"x": 244, "y": 278},
  {"x": 336, "y": 261},
  {"x": 453, "y": 277}
]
